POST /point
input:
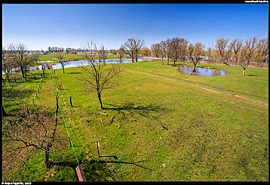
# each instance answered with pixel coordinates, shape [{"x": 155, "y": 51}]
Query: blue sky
[{"x": 69, "y": 25}]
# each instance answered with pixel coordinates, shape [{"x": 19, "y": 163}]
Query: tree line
[{"x": 236, "y": 52}]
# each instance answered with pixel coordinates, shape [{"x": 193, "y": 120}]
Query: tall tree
[
  {"x": 20, "y": 57},
  {"x": 163, "y": 47},
  {"x": 61, "y": 60},
  {"x": 177, "y": 48},
  {"x": 132, "y": 47},
  {"x": 156, "y": 49},
  {"x": 247, "y": 52},
  {"x": 195, "y": 53},
  {"x": 98, "y": 74},
  {"x": 236, "y": 46},
  {"x": 121, "y": 53},
  {"x": 261, "y": 53},
  {"x": 221, "y": 46}
]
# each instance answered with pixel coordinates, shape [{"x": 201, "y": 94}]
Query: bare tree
[
  {"x": 177, "y": 48},
  {"x": 145, "y": 51},
  {"x": 121, "y": 53},
  {"x": 156, "y": 50},
  {"x": 261, "y": 53},
  {"x": 221, "y": 46},
  {"x": 28, "y": 133},
  {"x": 169, "y": 50},
  {"x": 195, "y": 53},
  {"x": 236, "y": 46},
  {"x": 163, "y": 46},
  {"x": 98, "y": 74},
  {"x": 132, "y": 47},
  {"x": 8, "y": 62},
  {"x": 61, "y": 60},
  {"x": 247, "y": 52},
  {"x": 18, "y": 53},
  {"x": 209, "y": 53}
]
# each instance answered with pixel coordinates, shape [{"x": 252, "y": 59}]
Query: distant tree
[
  {"x": 8, "y": 62},
  {"x": 164, "y": 48},
  {"x": 195, "y": 53},
  {"x": 121, "y": 53},
  {"x": 132, "y": 47},
  {"x": 247, "y": 52},
  {"x": 236, "y": 46},
  {"x": 261, "y": 53},
  {"x": 61, "y": 60},
  {"x": 210, "y": 53},
  {"x": 156, "y": 49},
  {"x": 20, "y": 58},
  {"x": 145, "y": 51},
  {"x": 98, "y": 74},
  {"x": 177, "y": 48},
  {"x": 221, "y": 46}
]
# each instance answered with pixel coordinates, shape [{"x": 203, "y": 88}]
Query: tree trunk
[
  {"x": 22, "y": 71},
  {"x": 244, "y": 69},
  {"x": 3, "y": 112},
  {"x": 194, "y": 69},
  {"x": 63, "y": 68},
  {"x": 47, "y": 156},
  {"x": 100, "y": 102}
]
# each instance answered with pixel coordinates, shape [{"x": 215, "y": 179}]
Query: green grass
[{"x": 199, "y": 134}]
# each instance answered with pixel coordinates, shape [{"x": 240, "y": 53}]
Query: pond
[{"x": 201, "y": 71}]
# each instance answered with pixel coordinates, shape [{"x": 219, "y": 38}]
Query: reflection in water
[{"x": 189, "y": 70}]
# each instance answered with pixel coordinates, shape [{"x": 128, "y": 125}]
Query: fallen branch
[
  {"x": 103, "y": 113},
  {"x": 110, "y": 120}
]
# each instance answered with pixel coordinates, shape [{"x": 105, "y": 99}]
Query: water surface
[{"x": 201, "y": 71}]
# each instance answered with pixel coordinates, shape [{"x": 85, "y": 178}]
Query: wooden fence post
[
  {"x": 70, "y": 101},
  {"x": 80, "y": 173}
]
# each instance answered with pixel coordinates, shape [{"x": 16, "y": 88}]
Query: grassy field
[{"x": 159, "y": 124}]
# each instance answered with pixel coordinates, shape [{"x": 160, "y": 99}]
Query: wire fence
[
  {"x": 65, "y": 122},
  {"x": 39, "y": 85},
  {"x": 107, "y": 160}
]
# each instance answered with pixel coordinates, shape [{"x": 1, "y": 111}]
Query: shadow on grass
[
  {"x": 131, "y": 107},
  {"x": 101, "y": 170},
  {"x": 74, "y": 73}
]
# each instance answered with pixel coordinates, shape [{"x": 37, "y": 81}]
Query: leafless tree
[
  {"x": 210, "y": 53},
  {"x": 236, "y": 46},
  {"x": 121, "y": 53},
  {"x": 247, "y": 52},
  {"x": 156, "y": 50},
  {"x": 61, "y": 60},
  {"x": 132, "y": 47},
  {"x": 28, "y": 133},
  {"x": 164, "y": 47},
  {"x": 177, "y": 48},
  {"x": 98, "y": 74},
  {"x": 195, "y": 53},
  {"x": 261, "y": 53},
  {"x": 8, "y": 62},
  {"x": 221, "y": 47}
]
